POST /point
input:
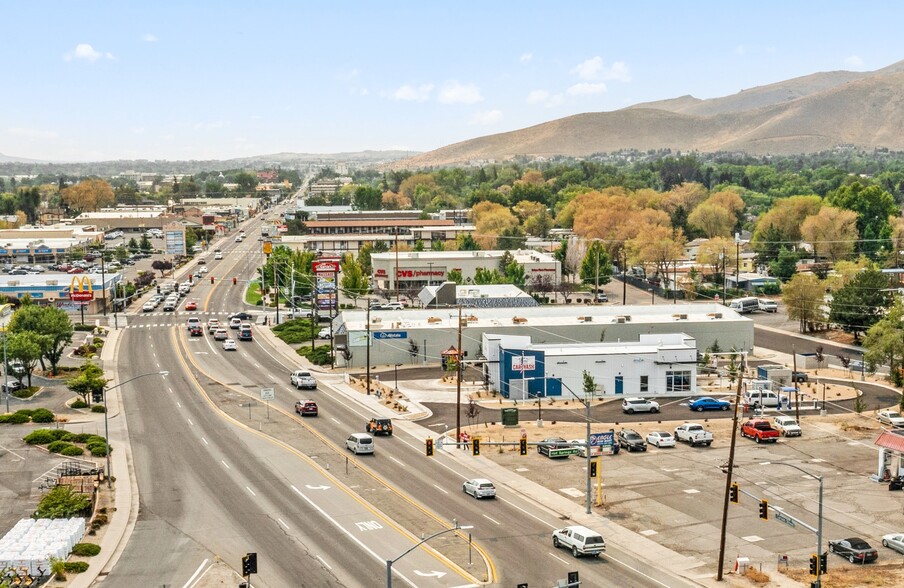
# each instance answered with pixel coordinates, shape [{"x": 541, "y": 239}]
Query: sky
[{"x": 88, "y": 81}]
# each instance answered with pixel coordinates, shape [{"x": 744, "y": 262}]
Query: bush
[
  {"x": 85, "y": 549},
  {"x": 75, "y": 567},
  {"x": 58, "y": 446},
  {"x": 82, "y": 327},
  {"x": 62, "y": 503},
  {"x": 98, "y": 449},
  {"x": 15, "y": 418},
  {"x": 26, "y": 392},
  {"x": 26, "y": 411},
  {"x": 42, "y": 415},
  {"x": 72, "y": 450},
  {"x": 40, "y": 437},
  {"x": 79, "y": 403},
  {"x": 98, "y": 408},
  {"x": 319, "y": 356}
]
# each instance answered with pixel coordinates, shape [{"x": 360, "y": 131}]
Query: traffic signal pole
[{"x": 731, "y": 454}]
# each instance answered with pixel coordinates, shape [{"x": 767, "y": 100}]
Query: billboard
[
  {"x": 81, "y": 289},
  {"x": 174, "y": 239},
  {"x": 325, "y": 266}
]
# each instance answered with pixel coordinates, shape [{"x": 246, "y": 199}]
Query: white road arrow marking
[
  {"x": 433, "y": 574},
  {"x": 309, "y": 487}
]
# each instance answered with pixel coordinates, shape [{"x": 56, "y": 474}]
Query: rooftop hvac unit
[
  {"x": 433, "y": 320},
  {"x": 585, "y": 319},
  {"x": 519, "y": 320},
  {"x": 680, "y": 317},
  {"x": 620, "y": 319},
  {"x": 715, "y": 315}
]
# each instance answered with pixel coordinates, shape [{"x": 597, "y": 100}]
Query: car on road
[
  {"x": 631, "y": 440},
  {"x": 149, "y": 306},
  {"x": 324, "y": 333},
  {"x": 303, "y": 379},
  {"x": 546, "y": 445},
  {"x": 13, "y": 386},
  {"x": 203, "y": 270},
  {"x": 201, "y": 261},
  {"x": 894, "y": 541},
  {"x": 235, "y": 323},
  {"x": 191, "y": 305},
  {"x": 242, "y": 316},
  {"x": 212, "y": 325},
  {"x": 856, "y": 365},
  {"x": 890, "y": 417},
  {"x": 854, "y": 549},
  {"x": 787, "y": 426},
  {"x": 169, "y": 306},
  {"x": 228, "y": 345},
  {"x": 580, "y": 540},
  {"x": 479, "y": 488},
  {"x": 632, "y": 405},
  {"x": 220, "y": 334},
  {"x": 360, "y": 443},
  {"x": 218, "y": 254},
  {"x": 379, "y": 426},
  {"x": 661, "y": 439},
  {"x": 193, "y": 322},
  {"x": 196, "y": 331},
  {"x": 239, "y": 239},
  {"x": 708, "y": 403},
  {"x": 602, "y": 297},
  {"x": 245, "y": 332},
  {"x": 306, "y": 408}
]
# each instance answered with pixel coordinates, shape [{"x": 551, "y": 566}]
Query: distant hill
[
  {"x": 808, "y": 114},
  {"x": 14, "y": 159}
]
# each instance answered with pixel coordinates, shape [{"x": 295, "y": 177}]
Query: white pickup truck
[{"x": 694, "y": 434}]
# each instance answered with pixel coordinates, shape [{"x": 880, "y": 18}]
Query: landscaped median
[{"x": 298, "y": 333}]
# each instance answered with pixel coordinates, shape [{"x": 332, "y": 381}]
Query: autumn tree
[
  {"x": 781, "y": 224},
  {"x": 657, "y": 246},
  {"x": 88, "y": 195},
  {"x": 419, "y": 189},
  {"x": 718, "y": 254},
  {"x": 873, "y": 206},
  {"x": 491, "y": 220},
  {"x": 712, "y": 220},
  {"x": 884, "y": 341},
  {"x": 832, "y": 232},
  {"x": 395, "y": 201},
  {"x": 803, "y": 296},
  {"x": 534, "y": 216}
]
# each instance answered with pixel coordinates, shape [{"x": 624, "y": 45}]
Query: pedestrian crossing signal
[{"x": 429, "y": 447}]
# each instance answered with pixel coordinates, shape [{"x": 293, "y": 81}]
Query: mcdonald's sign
[{"x": 80, "y": 289}]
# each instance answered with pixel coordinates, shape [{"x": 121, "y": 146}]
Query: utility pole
[
  {"x": 731, "y": 453},
  {"x": 624, "y": 278},
  {"x": 103, "y": 282},
  {"x": 276, "y": 281},
  {"x": 458, "y": 383},
  {"x": 794, "y": 381},
  {"x": 398, "y": 289},
  {"x": 596, "y": 292},
  {"x": 367, "y": 353}
]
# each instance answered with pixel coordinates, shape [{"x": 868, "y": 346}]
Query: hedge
[
  {"x": 75, "y": 567},
  {"x": 16, "y": 418},
  {"x": 42, "y": 415},
  {"x": 79, "y": 403},
  {"x": 98, "y": 408},
  {"x": 58, "y": 446},
  {"x": 72, "y": 451},
  {"x": 40, "y": 437},
  {"x": 85, "y": 549}
]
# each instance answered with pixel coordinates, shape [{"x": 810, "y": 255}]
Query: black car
[
  {"x": 377, "y": 426},
  {"x": 855, "y": 549},
  {"x": 242, "y": 316},
  {"x": 631, "y": 440},
  {"x": 544, "y": 446}
]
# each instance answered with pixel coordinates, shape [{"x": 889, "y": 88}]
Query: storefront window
[{"x": 678, "y": 381}]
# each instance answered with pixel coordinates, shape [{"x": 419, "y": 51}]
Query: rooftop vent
[{"x": 519, "y": 320}]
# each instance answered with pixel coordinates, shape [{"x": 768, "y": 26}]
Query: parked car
[
  {"x": 306, "y": 408},
  {"x": 631, "y": 440},
  {"x": 694, "y": 434},
  {"x": 546, "y": 446},
  {"x": 580, "y": 445},
  {"x": 228, "y": 345},
  {"x": 855, "y": 549},
  {"x": 894, "y": 541},
  {"x": 580, "y": 540},
  {"x": 760, "y": 430},
  {"x": 324, "y": 333},
  {"x": 632, "y": 405},
  {"x": 303, "y": 379},
  {"x": 787, "y": 426},
  {"x": 379, "y": 426},
  {"x": 890, "y": 417},
  {"x": 13, "y": 386},
  {"x": 360, "y": 443},
  {"x": 479, "y": 488},
  {"x": 799, "y": 377},
  {"x": 708, "y": 403},
  {"x": 661, "y": 439},
  {"x": 856, "y": 365},
  {"x": 767, "y": 305}
]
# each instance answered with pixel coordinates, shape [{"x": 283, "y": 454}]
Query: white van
[
  {"x": 764, "y": 398},
  {"x": 360, "y": 443},
  {"x": 745, "y": 305}
]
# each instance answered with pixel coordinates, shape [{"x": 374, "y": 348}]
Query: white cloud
[
  {"x": 488, "y": 117},
  {"x": 585, "y": 89},
  {"x": 32, "y": 133},
  {"x": 86, "y": 52},
  {"x": 595, "y": 69},
  {"x": 415, "y": 93},
  {"x": 149, "y": 38},
  {"x": 537, "y": 96},
  {"x": 854, "y": 61},
  {"x": 526, "y": 57},
  {"x": 453, "y": 92}
]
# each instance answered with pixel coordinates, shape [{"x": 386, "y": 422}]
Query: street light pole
[
  {"x": 107, "y": 412},
  {"x": 5, "y": 371},
  {"x": 389, "y": 562},
  {"x": 586, "y": 402}
]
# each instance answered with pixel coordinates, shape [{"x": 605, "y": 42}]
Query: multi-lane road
[{"x": 217, "y": 477}]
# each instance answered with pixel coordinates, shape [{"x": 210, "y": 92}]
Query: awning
[{"x": 893, "y": 440}]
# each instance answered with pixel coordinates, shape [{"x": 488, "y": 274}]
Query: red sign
[
  {"x": 325, "y": 266},
  {"x": 380, "y": 272},
  {"x": 81, "y": 296}
]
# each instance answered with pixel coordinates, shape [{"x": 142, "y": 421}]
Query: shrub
[
  {"x": 81, "y": 437},
  {"x": 320, "y": 355},
  {"x": 26, "y": 411},
  {"x": 61, "y": 502},
  {"x": 98, "y": 408},
  {"x": 79, "y": 403},
  {"x": 75, "y": 567},
  {"x": 58, "y": 569},
  {"x": 85, "y": 549},
  {"x": 16, "y": 418},
  {"x": 40, "y": 437},
  {"x": 58, "y": 446},
  {"x": 26, "y": 392},
  {"x": 4, "y": 418},
  {"x": 72, "y": 450},
  {"x": 98, "y": 449},
  {"x": 42, "y": 415},
  {"x": 82, "y": 327}
]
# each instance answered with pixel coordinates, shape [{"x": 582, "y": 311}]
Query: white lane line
[
  {"x": 178, "y": 404},
  {"x": 272, "y": 377},
  {"x": 225, "y": 464},
  {"x": 205, "y": 441},
  {"x": 398, "y": 461},
  {"x": 281, "y": 522},
  {"x": 257, "y": 366},
  {"x": 560, "y": 559},
  {"x": 250, "y": 490},
  {"x": 158, "y": 365},
  {"x": 195, "y": 575},
  {"x": 623, "y": 564},
  {"x": 335, "y": 420},
  {"x": 170, "y": 390},
  {"x": 491, "y": 520},
  {"x": 191, "y": 423},
  {"x": 323, "y": 561},
  {"x": 443, "y": 490}
]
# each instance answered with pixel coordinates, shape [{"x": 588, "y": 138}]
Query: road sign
[
  {"x": 564, "y": 451},
  {"x": 268, "y": 247},
  {"x": 602, "y": 439},
  {"x": 267, "y": 394},
  {"x": 780, "y": 516}
]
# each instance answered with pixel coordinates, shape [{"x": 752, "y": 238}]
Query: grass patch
[
  {"x": 319, "y": 356},
  {"x": 253, "y": 293},
  {"x": 296, "y": 330}
]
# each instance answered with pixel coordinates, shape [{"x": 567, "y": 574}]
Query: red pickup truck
[{"x": 760, "y": 431}]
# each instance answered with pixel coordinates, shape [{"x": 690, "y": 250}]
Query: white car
[
  {"x": 661, "y": 439},
  {"x": 324, "y": 333},
  {"x": 787, "y": 426},
  {"x": 203, "y": 269},
  {"x": 479, "y": 488},
  {"x": 580, "y": 540},
  {"x": 890, "y": 417},
  {"x": 632, "y": 405},
  {"x": 766, "y": 305},
  {"x": 148, "y": 306},
  {"x": 235, "y": 323},
  {"x": 229, "y": 345},
  {"x": 212, "y": 325}
]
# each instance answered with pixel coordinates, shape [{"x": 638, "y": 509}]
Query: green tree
[
  {"x": 596, "y": 263},
  {"x": 354, "y": 282},
  {"x": 62, "y": 502},
  {"x": 49, "y": 321},
  {"x": 364, "y": 254},
  {"x": 861, "y": 303},
  {"x": 873, "y": 206},
  {"x": 246, "y": 181},
  {"x": 26, "y": 347},
  {"x": 133, "y": 245},
  {"x": 121, "y": 253},
  {"x": 785, "y": 266},
  {"x": 488, "y": 276},
  {"x": 454, "y": 275},
  {"x": 884, "y": 341},
  {"x": 438, "y": 246},
  {"x": 466, "y": 242},
  {"x": 418, "y": 245},
  {"x": 90, "y": 381},
  {"x": 803, "y": 296},
  {"x": 561, "y": 255},
  {"x": 145, "y": 244},
  {"x": 514, "y": 274},
  {"x": 367, "y": 198},
  {"x": 589, "y": 385}
]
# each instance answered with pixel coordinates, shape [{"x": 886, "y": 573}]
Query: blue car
[{"x": 707, "y": 403}]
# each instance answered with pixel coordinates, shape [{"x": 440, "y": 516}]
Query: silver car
[
  {"x": 632, "y": 405},
  {"x": 894, "y": 541},
  {"x": 891, "y": 417},
  {"x": 479, "y": 488}
]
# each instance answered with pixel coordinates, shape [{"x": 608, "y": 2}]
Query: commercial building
[
  {"x": 653, "y": 365},
  {"x": 416, "y": 269},
  {"x": 483, "y": 296},
  {"x": 45, "y": 244},
  {"x": 419, "y": 336},
  {"x": 54, "y": 289},
  {"x": 133, "y": 219},
  {"x": 342, "y": 236}
]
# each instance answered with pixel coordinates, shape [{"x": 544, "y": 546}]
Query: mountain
[
  {"x": 807, "y": 114},
  {"x": 14, "y": 159}
]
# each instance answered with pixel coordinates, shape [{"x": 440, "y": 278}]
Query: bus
[{"x": 745, "y": 305}]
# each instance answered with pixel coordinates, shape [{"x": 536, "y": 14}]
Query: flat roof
[
  {"x": 520, "y": 255},
  {"x": 121, "y": 214},
  {"x": 380, "y": 222},
  {"x": 41, "y": 280}
]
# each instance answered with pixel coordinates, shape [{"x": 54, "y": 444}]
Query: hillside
[{"x": 807, "y": 114}]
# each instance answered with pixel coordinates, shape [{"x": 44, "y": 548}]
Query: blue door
[{"x": 619, "y": 384}]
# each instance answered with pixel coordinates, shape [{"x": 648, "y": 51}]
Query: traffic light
[
  {"x": 592, "y": 469},
  {"x": 235, "y": 281},
  {"x": 574, "y": 579},
  {"x": 190, "y": 278},
  {"x": 211, "y": 279},
  {"x": 823, "y": 562},
  {"x": 158, "y": 288},
  {"x": 814, "y": 565},
  {"x": 764, "y": 509},
  {"x": 429, "y": 447},
  {"x": 475, "y": 447},
  {"x": 249, "y": 564},
  {"x": 522, "y": 446},
  {"x": 733, "y": 492}
]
